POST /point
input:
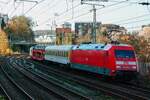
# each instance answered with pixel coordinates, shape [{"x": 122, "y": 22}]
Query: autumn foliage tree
[
  {"x": 20, "y": 28},
  {"x": 139, "y": 43}
]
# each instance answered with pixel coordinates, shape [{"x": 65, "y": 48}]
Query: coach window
[
  {"x": 50, "y": 52},
  {"x": 65, "y": 54},
  {"x": 61, "y": 53},
  {"x": 56, "y": 53},
  {"x": 53, "y": 53}
]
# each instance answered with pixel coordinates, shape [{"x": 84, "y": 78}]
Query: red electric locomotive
[{"x": 108, "y": 60}]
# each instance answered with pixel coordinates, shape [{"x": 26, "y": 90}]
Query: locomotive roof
[
  {"x": 59, "y": 47},
  {"x": 96, "y": 46}
]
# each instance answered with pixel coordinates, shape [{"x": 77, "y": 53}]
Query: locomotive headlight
[
  {"x": 132, "y": 63},
  {"x": 133, "y": 67},
  {"x": 118, "y": 67}
]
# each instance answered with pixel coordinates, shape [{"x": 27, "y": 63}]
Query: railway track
[
  {"x": 12, "y": 90},
  {"x": 3, "y": 95},
  {"x": 35, "y": 91},
  {"x": 52, "y": 85},
  {"x": 143, "y": 90},
  {"x": 125, "y": 92},
  {"x": 47, "y": 76}
]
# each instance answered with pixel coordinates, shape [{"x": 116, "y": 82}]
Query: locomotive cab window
[{"x": 124, "y": 54}]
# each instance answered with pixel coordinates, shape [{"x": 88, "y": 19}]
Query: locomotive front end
[{"x": 126, "y": 62}]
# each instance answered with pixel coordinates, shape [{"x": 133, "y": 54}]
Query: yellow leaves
[
  {"x": 3, "y": 43},
  {"x": 19, "y": 27}
]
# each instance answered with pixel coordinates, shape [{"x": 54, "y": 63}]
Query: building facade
[{"x": 63, "y": 36}]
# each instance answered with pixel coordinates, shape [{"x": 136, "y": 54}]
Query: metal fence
[{"x": 144, "y": 68}]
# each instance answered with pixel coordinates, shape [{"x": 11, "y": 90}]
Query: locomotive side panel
[{"x": 92, "y": 60}]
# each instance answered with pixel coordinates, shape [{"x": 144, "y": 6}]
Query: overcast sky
[{"x": 121, "y": 12}]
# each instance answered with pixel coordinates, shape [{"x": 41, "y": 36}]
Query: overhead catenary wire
[
  {"x": 72, "y": 10},
  {"x": 131, "y": 2},
  {"x": 33, "y": 6},
  {"x": 67, "y": 5},
  {"x": 86, "y": 13},
  {"x": 130, "y": 18},
  {"x": 112, "y": 10},
  {"x": 83, "y": 14},
  {"x": 118, "y": 8},
  {"x": 15, "y": 8},
  {"x": 134, "y": 21},
  {"x": 4, "y": 4},
  {"x": 62, "y": 13},
  {"x": 49, "y": 7},
  {"x": 148, "y": 6}
]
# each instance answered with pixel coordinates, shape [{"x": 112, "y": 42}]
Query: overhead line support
[{"x": 93, "y": 35}]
